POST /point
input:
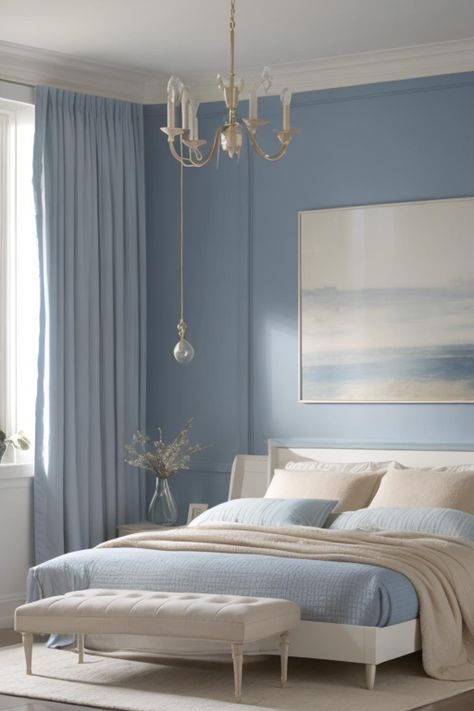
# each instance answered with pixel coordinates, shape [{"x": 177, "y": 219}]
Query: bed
[{"x": 351, "y": 612}]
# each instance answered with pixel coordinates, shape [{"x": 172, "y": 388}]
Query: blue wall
[{"x": 388, "y": 142}]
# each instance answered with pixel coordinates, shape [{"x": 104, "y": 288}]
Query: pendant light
[{"x": 183, "y": 350}]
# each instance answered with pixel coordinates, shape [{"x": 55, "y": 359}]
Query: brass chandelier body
[{"x": 228, "y": 136}]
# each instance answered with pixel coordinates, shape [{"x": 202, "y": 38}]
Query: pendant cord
[
  {"x": 232, "y": 31},
  {"x": 181, "y": 234}
]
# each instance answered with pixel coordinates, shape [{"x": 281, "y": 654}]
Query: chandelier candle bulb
[
  {"x": 286, "y": 101},
  {"x": 253, "y": 113},
  {"x": 170, "y": 120},
  {"x": 174, "y": 89},
  {"x": 185, "y": 98},
  {"x": 193, "y": 120}
]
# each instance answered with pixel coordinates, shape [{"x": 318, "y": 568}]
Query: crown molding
[
  {"x": 19, "y": 63},
  {"x": 28, "y": 65},
  {"x": 348, "y": 70}
]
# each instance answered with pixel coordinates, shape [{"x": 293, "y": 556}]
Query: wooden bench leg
[
  {"x": 238, "y": 659},
  {"x": 370, "y": 670},
  {"x": 27, "y": 639},
  {"x": 80, "y": 648},
  {"x": 284, "y": 647}
]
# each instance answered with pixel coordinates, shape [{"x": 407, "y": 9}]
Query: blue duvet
[{"x": 326, "y": 591}]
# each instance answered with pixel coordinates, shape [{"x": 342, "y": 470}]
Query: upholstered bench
[{"x": 226, "y": 618}]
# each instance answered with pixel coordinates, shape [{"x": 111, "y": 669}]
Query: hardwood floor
[{"x": 463, "y": 702}]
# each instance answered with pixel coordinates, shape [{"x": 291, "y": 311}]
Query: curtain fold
[{"x": 88, "y": 177}]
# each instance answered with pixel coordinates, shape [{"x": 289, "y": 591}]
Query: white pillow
[
  {"x": 351, "y": 467},
  {"x": 441, "y": 468},
  {"x": 352, "y": 491},
  {"x": 426, "y": 487}
]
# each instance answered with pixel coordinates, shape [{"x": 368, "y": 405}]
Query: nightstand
[{"x": 126, "y": 529}]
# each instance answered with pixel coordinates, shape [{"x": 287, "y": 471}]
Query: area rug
[{"x": 144, "y": 684}]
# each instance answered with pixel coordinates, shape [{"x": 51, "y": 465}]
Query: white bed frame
[{"x": 321, "y": 640}]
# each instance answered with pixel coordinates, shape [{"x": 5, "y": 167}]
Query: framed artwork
[
  {"x": 386, "y": 303},
  {"x": 194, "y": 510}
]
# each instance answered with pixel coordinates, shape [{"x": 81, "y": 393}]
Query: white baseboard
[{"x": 8, "y": 605}]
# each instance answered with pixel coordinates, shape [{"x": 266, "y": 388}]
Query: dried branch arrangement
[{"x": 162, "y": 458}]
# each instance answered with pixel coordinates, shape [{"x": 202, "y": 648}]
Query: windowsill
[{"x": 18, "y": 470}]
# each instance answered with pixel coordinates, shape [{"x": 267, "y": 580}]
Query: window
[{"x": 19, "y": 281}]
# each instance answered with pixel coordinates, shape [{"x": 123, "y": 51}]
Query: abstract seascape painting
[{"x": 386, "y": 303}]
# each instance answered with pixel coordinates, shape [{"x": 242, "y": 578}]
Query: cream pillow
[
  {"x": 352, "y": 491},
  {"x": 426, "y": 487}
]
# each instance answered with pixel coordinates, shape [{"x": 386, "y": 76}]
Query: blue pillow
[
  {"x": 443, "y": 522},
  {"x": 269, "y": 512}
]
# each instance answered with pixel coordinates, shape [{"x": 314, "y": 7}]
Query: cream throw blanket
[{"x": 441, "y": 569}]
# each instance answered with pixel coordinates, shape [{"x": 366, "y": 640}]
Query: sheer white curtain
[
  {"x": 5, "y": 422},
  {"x": 19, "y": 278}
]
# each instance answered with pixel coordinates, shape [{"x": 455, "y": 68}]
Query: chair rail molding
[{"x": 38, "y": 66}]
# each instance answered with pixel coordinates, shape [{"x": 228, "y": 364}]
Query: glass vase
[{"x": 163, "y": 510}]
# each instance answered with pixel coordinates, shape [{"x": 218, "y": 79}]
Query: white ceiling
[
  {"x": 128, "y": 48},
  {"x": 191, "y": 35}
]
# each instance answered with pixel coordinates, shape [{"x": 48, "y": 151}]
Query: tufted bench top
[{"x": 229, "y": 618}]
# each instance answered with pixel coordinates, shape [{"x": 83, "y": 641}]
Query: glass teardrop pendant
[{"x": 183, "y": 351}]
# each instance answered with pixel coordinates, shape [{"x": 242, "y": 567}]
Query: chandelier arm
[
  {"x": 199, "y": 164},
  {"x": 261, "y": 153},
  {"x": 185, "y": 161}
]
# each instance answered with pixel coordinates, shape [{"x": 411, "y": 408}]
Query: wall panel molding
[
  {"x": 250, "y": 309},
  {"x": 212, "y": 467}
]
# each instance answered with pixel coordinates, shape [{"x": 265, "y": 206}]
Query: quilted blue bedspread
[{"x": 345, "y": 593}]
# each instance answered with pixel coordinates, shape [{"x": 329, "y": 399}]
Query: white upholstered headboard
[{"x": 251, "y": 474}]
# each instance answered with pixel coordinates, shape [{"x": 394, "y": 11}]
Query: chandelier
[{"x": 229, "y": 134}]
